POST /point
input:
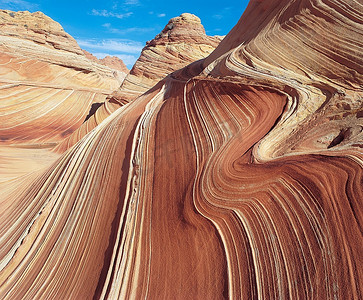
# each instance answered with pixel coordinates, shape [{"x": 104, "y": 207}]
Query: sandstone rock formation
[
  {"x": 181, "y": 42},
  {"x": 34, "y": 36},
  {"x": 239, "y": 176},
  {"x": 112, "y": 62},
  {"x": 44, "y": 77},
  {"x": 47, "y": 88}
]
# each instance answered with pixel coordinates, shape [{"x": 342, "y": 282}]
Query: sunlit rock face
[
  {"x": 312, "y": 51},
  {"x": 237, "y": 177},
  {"x": 182, "y": 41},
  {"x": 114, "y": 62}
]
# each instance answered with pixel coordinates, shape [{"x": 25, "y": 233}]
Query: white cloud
[
  {"x": 106, "y": 13},
  {"x": 108, "y": 45},
  {"x": 132, "y": 2},
  {"x": 223, "y": 13},
  {"x": 124, "y": 31},
  {"x": 161, "y": 15},
  {"x": 131, "y": 30},
  {"x": 127, "y": 59},
  {"x": 18, "y": 5},
  {"x": 218, "y": 17}
]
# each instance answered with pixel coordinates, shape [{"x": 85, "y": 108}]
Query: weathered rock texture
[
  {"x": 182, "y": 41},
  {"x": 240, "y": 181}
]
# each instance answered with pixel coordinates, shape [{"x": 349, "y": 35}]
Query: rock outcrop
[
  {"x": 113, "y": 62},
  {"x": 36, "y": 37},
  {"x": 228, "y": 179},
  {"x": 181, "y": 42},
  {"x": 45, "y": 79}
]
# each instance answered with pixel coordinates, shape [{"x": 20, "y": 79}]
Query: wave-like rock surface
[{"x": 225, "y": 183}]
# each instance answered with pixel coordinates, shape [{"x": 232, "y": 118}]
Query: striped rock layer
[{"x": 237, "y": 177}]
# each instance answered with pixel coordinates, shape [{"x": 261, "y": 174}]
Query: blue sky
[{"x": 122, "y": 27}]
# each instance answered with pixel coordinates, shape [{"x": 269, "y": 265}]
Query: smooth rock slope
[{"x": 47, "y": 89}]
